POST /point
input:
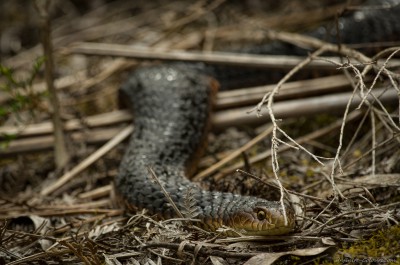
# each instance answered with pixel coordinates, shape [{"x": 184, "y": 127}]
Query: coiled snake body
[{"x": 171, "y": 105}]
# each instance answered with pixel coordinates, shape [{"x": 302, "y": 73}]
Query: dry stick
[
  {"x": 277, "y": 187},
  {"x": 295, "y": 38},
  {"x": 293, "y": 20},
  {"x": 98, "y": 120},
  {"x": 336, "y": 161},
  {"x": 288, "y": 238},
  {"x": 201, "y": 251},
  {"x": 336, "y": 191},
  {"x": 142, "y": 245},
  {"x": 40, "y": 256},
  {"x": 78, "y": 253},
  {"x": 79, "y": 223},
  {"x": 381, "y": 69},
  {"x": 294, "y": 108},
  {"x": 307, "y": 41},
  {"x": 166, "y": 194},
  {"x": 300, "y": 140},
  {"x": 60, "y": 148},
  {"x": 52, "y": 213},
  {"x": 274, "y": 138},
  {"x": 224, "y": 58},
  {"x": 373, "y": 142},
  {"x": 370, "y": 150},
  {"x": 384, "y": 111},
  {"x": 96, "y": 193},
  {"x": 88, "y": 161},
  {"x": 55, "y": 208},
  {"x": 375, "y": 99},
  {"x": 34, "y": 144},
  {"x": 77, "y": 206},
  {"x": 233, "y": 155},
  {"x": 296, "y": 89},
  {"x": 333, "y": 227},
  {"x": 361, "y": 86},
  {"x": 355, "y": 135},
  {"x": 395, "y": 86},
  {"x": 333, "y": 218}
]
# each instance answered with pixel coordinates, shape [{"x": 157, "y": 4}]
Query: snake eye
[{"x": 261, "y": 215}]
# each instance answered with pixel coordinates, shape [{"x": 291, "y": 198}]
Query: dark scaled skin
[{"x": 171, "y": 106}]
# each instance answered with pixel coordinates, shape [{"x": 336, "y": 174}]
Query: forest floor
[{"x": 338, "y": 150}]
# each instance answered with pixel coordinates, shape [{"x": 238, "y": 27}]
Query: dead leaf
[
  {"x": 40, "y": 224},
  {"x": 100, "y": 230},
  {"x": 269, "y": 258},
  {"x": 218, "y": 260},
  {"x": 44, "y": 225},
  {"x": 328, "y": 241}
]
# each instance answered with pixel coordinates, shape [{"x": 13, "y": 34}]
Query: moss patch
[{"x": 382, "y": 248}]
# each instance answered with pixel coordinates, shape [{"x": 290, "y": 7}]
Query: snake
[{"x": 172, "y": 106}]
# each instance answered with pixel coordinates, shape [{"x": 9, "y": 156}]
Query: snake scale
[{"x": 171, "y": 105}]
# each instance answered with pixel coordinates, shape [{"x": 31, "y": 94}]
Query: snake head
[
  {"x": 245, "y": 215},
  {"x": 261, "y": 217}
]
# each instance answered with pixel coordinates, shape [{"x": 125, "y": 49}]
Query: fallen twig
[
  {"x": 224, "y": 58},
  {"x": 88, "y": 161},
  {"x": 61, "y": 153},
  {"x": 261, "y": 156}
]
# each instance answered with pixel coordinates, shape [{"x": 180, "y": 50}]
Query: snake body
[{"x": 171, "y": 105}]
